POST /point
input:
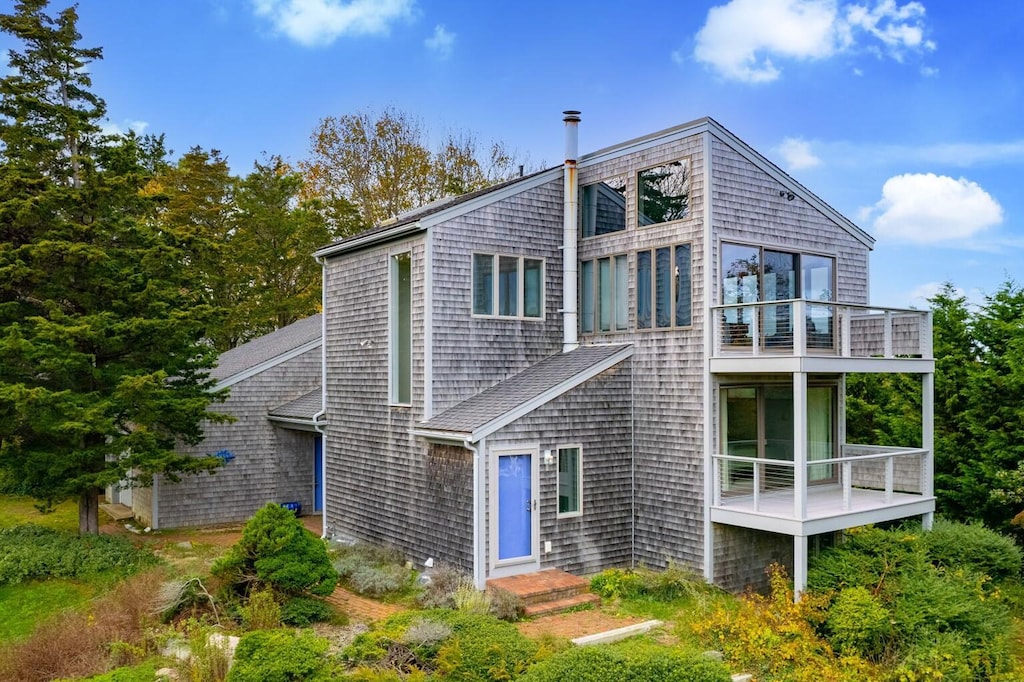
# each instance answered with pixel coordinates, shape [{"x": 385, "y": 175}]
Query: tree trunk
[{"x": 89, "y": 512}]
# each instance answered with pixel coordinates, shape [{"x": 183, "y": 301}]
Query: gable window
[
  {"x": 603, "y": 207},
  {"x": 604, "y": 294},
  {"x": 570, "y": 475},
  {"x": 508, "y": 286},
  {"x": 663, "y": 193},
  {"x": 400, "y": 341},
  {"x": 663, "y": 288}
]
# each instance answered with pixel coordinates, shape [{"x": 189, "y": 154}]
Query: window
[
  {"x": 752, "y": 274},
  {"x": 400, "y": 345},
  {"x": 604, "y": 294},
  {"x": 508, "y": 286},
  {"x": 603, "y": 209},
  {"x": 570, "y": 474},
  {"x": 663, "y": 296},
  {"x": 663, "y": 193}
]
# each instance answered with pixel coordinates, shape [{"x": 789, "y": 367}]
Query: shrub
[
  {"x": 505, "y": 605},
  {"x": 31, "y": 552},
  {"x": 262, "y": 611},
  {"x": 626, "y": 664},
  {"x": 280, "y": 656},
  {"x": 471, "y": 600},
  {"x": 973, "y": 547},
  {"x": 615, "y": 583},
  {"x": 277, "y": 552},
  {"x": 174, "y": 596},
  {"x": 379, "y": 581},
  {"x": 858, "y": 622},
  {"x": 304, "y": 611},
  {"x": 445, "y": 580},
  {"x": 373, "y": 570},
  {"x": 208, "y": 659}
]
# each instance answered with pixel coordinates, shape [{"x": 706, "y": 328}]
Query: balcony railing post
[
  {"x": 757, "y": 486},
  {"x": 926, "y": 335},
  {"x": 755, "y": 330},
  {"x": 890, "y": 464},
  {"x": 716, "y": 465},
  {"x": 799, "y": 327},
  {"x": 847, "y": 485},
  {"x": 844, "y": 333},
  {"x": 887, "y": 335}
]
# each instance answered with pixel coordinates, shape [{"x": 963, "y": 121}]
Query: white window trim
[
  {"x": 393, "y": 332},
  {"x": 504, "y": 567},
  {"x": 579, "y": 474},
  {"x": 521, "y": 285}
]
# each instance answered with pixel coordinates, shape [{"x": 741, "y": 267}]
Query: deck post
[
  {"x": 799, "y": 566},
  {"x": 928, "y": 442},
  {"x": 799, "y": 328},
  {"x": 800, "y": 445}
]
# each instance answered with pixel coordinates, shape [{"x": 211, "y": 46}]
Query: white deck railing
[
  {"x": 876, "y": 472},
  {"x": 801, "y": 327}
]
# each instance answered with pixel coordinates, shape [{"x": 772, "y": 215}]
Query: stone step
[{"x": 559, "y": 605}]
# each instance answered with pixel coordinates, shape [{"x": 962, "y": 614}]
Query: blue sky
[{"x": 908, "y": 117}]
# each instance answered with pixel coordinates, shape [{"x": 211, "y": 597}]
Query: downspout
[
  {"x": 478, "y": 566},
  {"x": 323, "y": 396},
  {"x": 570, "y": 213}
]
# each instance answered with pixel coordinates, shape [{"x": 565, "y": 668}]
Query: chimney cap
[{"x": 571, "y": 115}]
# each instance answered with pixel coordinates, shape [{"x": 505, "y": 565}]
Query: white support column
[
  {"x": 799, "y": 566},
  {"x": 799, "y": 328},
  {"x": 928, "y": 442},
  {"x": 800, "y": 445}
]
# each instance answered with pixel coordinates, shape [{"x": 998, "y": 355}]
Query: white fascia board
[
  {"x": 541, "y": 178},
  {"x": 263, "y": 366},
  {"x": 357, "y": 243},
  {"x": 783, "y": 178},
  {"x": 840, "y": 521},
  {"x": 549, "y": 395},
  {"x": 457, "y": 437},
  {"x": 295, "y": 423},
  {"x": 819, "y": 364}
]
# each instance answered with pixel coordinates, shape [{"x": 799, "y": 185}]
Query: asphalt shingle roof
[
  {"x": 266, "y": 347},
  {"x": 303, "y": 407},
  {"x": 531, "y": 383}
]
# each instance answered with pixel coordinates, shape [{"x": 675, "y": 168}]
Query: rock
[
  {"x": 169, "y": 674},
  {"x": 184, "y": 545},
  {"x": 713, "y": 655}
]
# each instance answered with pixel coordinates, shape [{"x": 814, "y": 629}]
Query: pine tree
[{"x": 103, "y": 365}]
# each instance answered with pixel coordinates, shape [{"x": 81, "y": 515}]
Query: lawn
[
  {"x": 22, "y": 607},
  {"x": 19, "y": 509}
]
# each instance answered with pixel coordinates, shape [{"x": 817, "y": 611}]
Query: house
[
  {"x": 272, "y": 448},
  {"x": 637, "y": 357}
]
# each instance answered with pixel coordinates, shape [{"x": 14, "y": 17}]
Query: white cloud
[
  {"x": 441, "y": 43},
  {"x": 743, "y": 39},
  {"x": 319, "y": 22},
  {"x": 111, "y": 128},
  {"x": 924, "y": 208},
  {"x": 797, "y": 154},
  {"x": 929, "y": 71}
]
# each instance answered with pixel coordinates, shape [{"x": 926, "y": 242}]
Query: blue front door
[
  {"x": 515, "y": 512},
  {"x": 318, "y": 474}
]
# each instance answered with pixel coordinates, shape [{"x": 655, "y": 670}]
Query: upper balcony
[{"x": 800, "y": 335}]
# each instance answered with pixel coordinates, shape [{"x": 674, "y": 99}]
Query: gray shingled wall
[
  {"x": 595, "y": 416},
  {"x": 742, "y": 555},
  {"x": 668, "y": 368},
  {"x": 271, "y": 464}
]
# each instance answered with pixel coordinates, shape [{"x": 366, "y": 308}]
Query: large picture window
[
  {"x": 604, "y": 294},
  {"x": 663, "y": 193},
  {"x": 508, "y": 286},
  {"x": 663, "y": 287},
  {"x": 603, "y": 207}
]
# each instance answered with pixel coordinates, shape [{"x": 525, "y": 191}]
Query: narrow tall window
[
  {"x": 400, "y": 348},
  {"x": 570, "y": 473},
  {"x": 604, "y": 294},
  {"x": 483, "y": 284}
]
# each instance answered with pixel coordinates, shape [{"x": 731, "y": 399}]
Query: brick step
[
  {"x": 543, "y": 586},
  {"x": 559, "y": 605}
]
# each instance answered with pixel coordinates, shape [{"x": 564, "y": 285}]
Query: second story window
[
  {"x": 508, "y": 286},
  {"x": 604, "y": 294},
  {"x": 603, "y": 207},
  {"x": 663, "y": 287},
  {"x": 663, "y": 193}
]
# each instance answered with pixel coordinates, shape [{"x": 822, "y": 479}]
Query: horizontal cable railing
[
  {"x": 757, "y": 484},
  {"x": 801, "y": 327}
]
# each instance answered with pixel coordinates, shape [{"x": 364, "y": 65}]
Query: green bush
[
  {"x": 379, "y": 581},
  {"x": 261, "y": 612},
  {"x": 304, "y": 611},
  {"x": 31, "y": 552},
  {"x": 858, "y": 622},
  {"x": 373, "y": 570},
  {"x": 281, "y": 656},
  {"x": 439, "y": 593},
  {"x": 615, "y": 583},
  {"x": 626, "y": 664},
  {"x": 973, "y": 547},
  {"x": 277, "y": 552},
  {"x": 144, "y": 672}
]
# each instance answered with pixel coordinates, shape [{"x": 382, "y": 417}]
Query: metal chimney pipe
[{"x": 570, "y": 218}]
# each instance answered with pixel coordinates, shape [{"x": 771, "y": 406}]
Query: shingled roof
[
  {"x": 302, "y": 408},
  {"x": 278, "y": 345},
  {"x": 503, "y": 403}
]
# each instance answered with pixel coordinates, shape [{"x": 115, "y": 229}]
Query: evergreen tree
[{"x": 103, "y": 365}]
